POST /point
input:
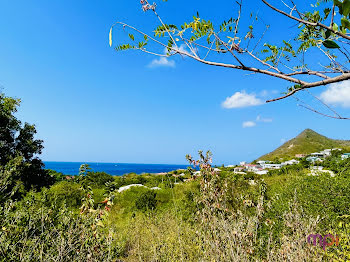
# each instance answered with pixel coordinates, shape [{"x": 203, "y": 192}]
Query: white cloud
[
  {"x": 264, "y": 120},
  {"x": 242, "y": 99},
  {"x": 182, "y": 48},
  {"x": 264, "y": 93},
  {"x": 337, "y": 94},
  {"x": 248, "y": 124},
  {"x": 165, "y": 61},
  {"x": 162, "y": 62},
  {"x": 254, "y": 123},
  {"x": 268, "y": 93}
]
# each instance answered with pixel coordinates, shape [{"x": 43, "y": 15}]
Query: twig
[
  {"x": 323, "y": 103},
  {"x": 308, "y": 107},
  {"x": 306, "y": 22}
]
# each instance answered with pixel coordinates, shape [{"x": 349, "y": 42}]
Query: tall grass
[{"x": 203, "y": 225}]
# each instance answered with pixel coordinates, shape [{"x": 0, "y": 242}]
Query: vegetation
[
  {"x": 306, "y": 142},
  {"x": 217, "y": 216},
  {"x": 20, "y": 168}
]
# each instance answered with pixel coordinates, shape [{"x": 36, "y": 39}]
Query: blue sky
[{"x": 90, "y": 103}]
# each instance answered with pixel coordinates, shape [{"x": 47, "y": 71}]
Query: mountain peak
[
  {"x": 306, "y": 142},
  {"x": 310, "y": 134},
  {"x": 309, "y": 131}
]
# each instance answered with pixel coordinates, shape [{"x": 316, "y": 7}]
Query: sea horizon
[
  {"x": 96, "y": 162},
  {"x": 115, "y": 169}
]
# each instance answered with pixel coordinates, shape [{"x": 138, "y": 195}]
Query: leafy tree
[
  {"x": 321, "y": 33},
  {"x": 20, "y": 167}
]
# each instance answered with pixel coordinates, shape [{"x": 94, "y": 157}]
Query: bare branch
[
  {"x": 323, "y": 103},
  {"x": 308, "y": 107},
  {"x": 239, "y": 17},
  {"x": 296, "y": 9},
  {"x": 152, "y": 53},
  {"x": 332, "y": 17},
  {"x": 263, "y": 62},
  {"x": 229, "y": 49},
  {"x": 320, "y": 74},
  {"x": 336, "y": 79},
  {"x": 326, "y": 115},
  {"x": 267, "y": 27}
]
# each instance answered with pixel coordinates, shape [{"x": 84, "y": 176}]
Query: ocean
[{"x": 115, "y": 169}]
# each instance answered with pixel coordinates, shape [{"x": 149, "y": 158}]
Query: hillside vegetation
[
  {"x": 306, "y": 142},
  {"x": 217, "y": 215}
]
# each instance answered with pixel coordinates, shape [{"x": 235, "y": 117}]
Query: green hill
[{"x": 306, "y": 142}]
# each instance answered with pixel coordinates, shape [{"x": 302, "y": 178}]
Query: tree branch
[
  {"x": 336, "y": 79},
  {"x": 308, "y": 107},
  {"x": 306, "y": 22}
]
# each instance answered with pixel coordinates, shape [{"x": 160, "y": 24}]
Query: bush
[
  {"x": 68, "y": 192},
  {"x": 32, "y": 230},
  {"x": 146, "y": 201},
  {"x": 98, "y": 179}
]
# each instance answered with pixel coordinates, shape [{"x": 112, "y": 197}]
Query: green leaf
[
  {"x": 339, "y": 5},
  {"x": 346, "y": 7},
  {"x": 110, "y": 37},
  {"x": 326, "y": 12},
  {"x": 132, "y": 37},
  {"x": 328, "y": 33},
  {"x": 335, "y": 27},
  {"x": 345, "y": 23},
  {"x": 330, "y": 44}
]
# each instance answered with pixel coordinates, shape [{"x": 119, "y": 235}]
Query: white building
[
  {"x": 314, "y": 159},
  {"x": 123, "y": 188},
  {"x": 345, "y": 156},
  {"x": 323, "y": 154},
  {"x": 290, "y": 162},
  {"x": 261, "y": 172},
  {"x": 262, "y": 162},
  {"x": 327, "y": 152},
  {"x": 252, "y": 168},
  {"x": 239, "y": 170},
  {"x": 271, "y": 166},
  {"x": 318, "y": 154}
]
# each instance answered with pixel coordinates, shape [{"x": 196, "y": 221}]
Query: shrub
[
  {"x": 98, "y": 179},
  {"x": 32, "y": 230},
  {"x": 66, "y": 192},
  {"x": 146, "y": 201}
]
